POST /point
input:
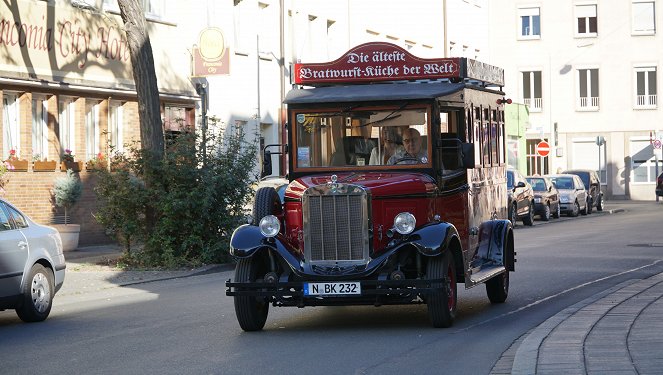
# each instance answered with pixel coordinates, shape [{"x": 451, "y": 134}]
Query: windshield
[
  {"x": 563, "y": 183},
  {"x": 538, "y": 184},
  {"x": 361, "y": 137}
]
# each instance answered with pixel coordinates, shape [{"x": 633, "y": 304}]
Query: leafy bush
[
  {"x": 67, "y": 190},
  {"x": 182, "y": 208}
]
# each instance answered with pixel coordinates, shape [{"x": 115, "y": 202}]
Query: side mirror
[
  {"x": 467, "y": 155},
  {"x": 266, "y": 163}
]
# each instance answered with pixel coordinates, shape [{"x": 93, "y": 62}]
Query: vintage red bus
[{"x": 397, "y": 189}]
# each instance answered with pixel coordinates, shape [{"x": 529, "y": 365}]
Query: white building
[{"x": 586, "y": 69}]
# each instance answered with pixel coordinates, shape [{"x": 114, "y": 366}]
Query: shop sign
[{"x": 211, "y": 56}]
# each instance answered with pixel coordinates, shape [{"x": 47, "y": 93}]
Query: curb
[{"x": 205, "y": 270}]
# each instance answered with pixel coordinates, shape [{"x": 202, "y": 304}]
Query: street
[{"x": 188, "y": 325}]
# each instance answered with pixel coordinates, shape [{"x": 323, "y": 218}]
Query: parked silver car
[
  {"x": 572, "y": 194},
  {"x": 32, "y": 265}
]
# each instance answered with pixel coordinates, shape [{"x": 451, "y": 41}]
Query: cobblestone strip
[
  {"x": 526, "y": 357},
  {"x": 606, "y": 348},
  {"x": 645, "y": 341}
]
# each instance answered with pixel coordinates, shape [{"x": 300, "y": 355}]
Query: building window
[
  {"x": 643, "y": 18},
  {"x": 536, "y": 164},
  {"x": 67, "y": 125},
  {"x": 587, "y": 21},
  {"x": 10, "y": 125},
  {"x": 645, "y": 86},
  {"x": 643, "y": 162},
  {"x": 115, "y": 126},
  {"x": 39, "y": 129},
  {"x": 587, "y": 155},
  {"x": 532, "y": 93},
  {"x": 588, "y": 89},
  {"x": 530, "y": 23},
  {"x": 243, "y": 26},
  {"x": 91, "y": 130}
]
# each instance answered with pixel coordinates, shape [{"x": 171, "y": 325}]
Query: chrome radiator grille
[{"x": 335, "y": 224}]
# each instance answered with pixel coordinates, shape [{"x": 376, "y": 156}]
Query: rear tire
[
  {"x": 599, "y": 204},
  {"x": 442, "y": 304},
  {"x": 251, "y": 311},
  {"x": 590, "y": 203},
  {"x": 585, "y": 211},
  {"x": 37, "y": 295},
  {"x": 497, "y": 288},
  {"x": 558, "y": 212},
  {"x": 529, "y": 219}
]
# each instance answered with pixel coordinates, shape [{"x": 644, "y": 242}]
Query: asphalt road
[{"x": 188, "y": 326}]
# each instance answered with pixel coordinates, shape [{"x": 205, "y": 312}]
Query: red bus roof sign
[{"x": 379, "y": 61}]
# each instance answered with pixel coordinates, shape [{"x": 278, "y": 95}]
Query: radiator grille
[{"x": 335, "y": 227}]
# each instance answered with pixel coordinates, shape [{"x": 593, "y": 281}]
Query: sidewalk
[{"x": 90, "y": 269}]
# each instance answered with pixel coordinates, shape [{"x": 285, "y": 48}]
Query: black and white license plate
[{"x": 332, "y": 289}]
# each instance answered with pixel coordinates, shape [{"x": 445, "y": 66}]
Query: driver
[{"x": 411, "y": 153}]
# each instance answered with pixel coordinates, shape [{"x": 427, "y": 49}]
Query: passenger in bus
[
  {"x": 412, "y": 152},
  {"x": 390, "y": 142}
]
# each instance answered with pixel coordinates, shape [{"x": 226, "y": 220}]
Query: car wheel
[
  {"x": 558, "y": 212},
  {"x": 442, "y": 303},
  {"x": 585, "y": 210},
  {"x": 251, "y": 311},
  {"x": 497, "y": 288},
  {"x": 267, "y": 202},
  {"x": 512, "y": 215},
  {"x": 599, "y": 204},
  {"x": 576, "y": 209},
  {"x": 37, "y": 295},
  {"x": 590, "y": 203},
  {"x": 529, "y": 219},
  {"x": 545, "y": 216}
]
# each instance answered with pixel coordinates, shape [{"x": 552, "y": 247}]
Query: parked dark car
[
  {"x": 546, "y": 197},
  {"x": 593, "y": 186},
  {"x": 520, "y": 198},
  {"x": 572, "y": 194},
  {"x": 659, "y": 185}
]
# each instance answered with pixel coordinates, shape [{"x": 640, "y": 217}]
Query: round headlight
[
  {"x": 404, "y": 223},
  {"x": 269, "y": 226}
]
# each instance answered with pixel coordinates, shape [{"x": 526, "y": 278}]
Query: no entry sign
[{"x": 543, "y": 148}]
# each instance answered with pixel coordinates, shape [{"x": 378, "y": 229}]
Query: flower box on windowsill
[
  {"x": 18, "y": 165},
  {"x": 44, "y": 165},
  {"x": 75, "y": 166}
]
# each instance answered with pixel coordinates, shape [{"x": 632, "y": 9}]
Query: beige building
[{"x": 586, "y": 70}]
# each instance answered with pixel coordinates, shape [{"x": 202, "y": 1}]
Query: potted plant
[
  {"x": 42, "y": 165},
  {"x": 67, "y": 190},
  {"x": 16, "y": 164},
  {"x": 67, "y": 162},
  {"x": 97, "y": 162}
]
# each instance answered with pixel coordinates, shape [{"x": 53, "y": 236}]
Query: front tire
[
  {"x": 497, "y": 288},
  {"x": 267, "y": 202},
  {"x": 558, "y": 212},
  {"x": 576, "y": 209},
  {"x": 529, "y": 219},
  {"x": 585, "y": 211},
  {"x": 599, "y": 204},
  {"x": 545, "y": 216},
  {"x": 251, "y": 311},
  {"x": 37, "y": 294},
  {"x": 442, "y": 304}
]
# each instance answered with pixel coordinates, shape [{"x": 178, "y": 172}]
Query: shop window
[
  {"x": 645, "y": 87},
  {"x": 588, "y": 89},
  {"x": 586, "y": 20},
  {"x": 532, "y": 93},
  {"x": 39, "y": 129},
  {"x": 115, "y": 126},
  {"x": 67, "y": 125},
  {"x": 643, "y": 18},
  {"x": 91, "y": 130},
  {"x": 530, "y": 23},
  {"x": 10, "y": 125},
  {"x": 643, "y": 161}
]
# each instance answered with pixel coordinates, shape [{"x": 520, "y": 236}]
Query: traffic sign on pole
[{"x": 543, "y": 148}]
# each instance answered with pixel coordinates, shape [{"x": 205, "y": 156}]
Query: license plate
[{"x": 332, "y": 289}]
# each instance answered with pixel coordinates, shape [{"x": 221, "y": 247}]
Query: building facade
[{"x": 588, "y": 71}]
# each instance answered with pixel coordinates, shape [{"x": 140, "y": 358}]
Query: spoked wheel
[
  {"x": 497, "y": 288},
  {"x": 37, "y": 295},
  {"x": 251, "y": 311},
  {"x": 545, "y": 216},
  {"x": 442, "y": 304},
  {"x": 576, "y": 209}
]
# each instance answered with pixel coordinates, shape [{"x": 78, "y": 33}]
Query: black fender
[
  {"x": 432, "y": 239},
  {"x": 496, "y": 243},
  {"x": 247, "y": 240}
]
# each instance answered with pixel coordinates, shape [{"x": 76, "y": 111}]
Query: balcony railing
[
  {"x": 534, "y": 104},
  {"x": 589, "y": 102},
  {"x": 646, "y": 101}
]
